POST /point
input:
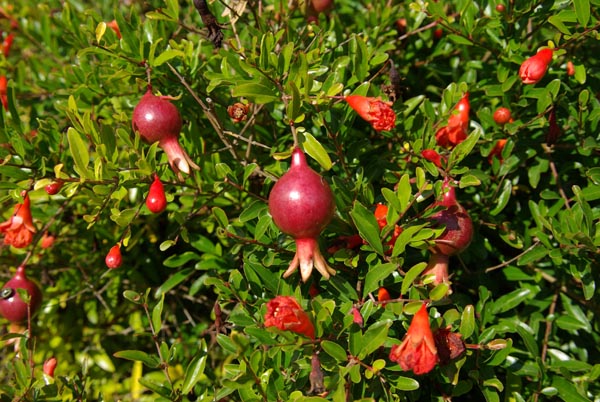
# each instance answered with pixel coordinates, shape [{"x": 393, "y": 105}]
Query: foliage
[{"x": 183, "y": 317}]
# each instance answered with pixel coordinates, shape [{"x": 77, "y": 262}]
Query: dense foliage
[{"x": 193, "y": 308}]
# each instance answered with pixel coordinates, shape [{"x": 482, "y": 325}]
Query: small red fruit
[
  {"x": 12, "y": 307},
  {"x": 302, "y": 205},
  {"x": 502, "y": 116},
  {"x": 438, "y": 33},
  {"x": 158, "y": 120},
  {"x": 114, "y": 258},
  {"x": 54, "y": 187},
  {"x": 156, "y": 200},
  {"x": 500, "y": 8}
]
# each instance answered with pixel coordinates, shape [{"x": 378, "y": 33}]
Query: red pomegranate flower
[
  {"x": 458, "y": 124},
  {"x": 18, "y": 230},
  {"x": 377, "y": 112},
  {"x": 417, "y": 352},
  {"x": 432, "y": 156},
  {"x": 285, "y": 313},
  {"x": 534, "y": 68},
  {"x": 4, "y": 91}
]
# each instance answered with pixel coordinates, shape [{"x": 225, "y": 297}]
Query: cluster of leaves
[{"x": 183, "y": 317}]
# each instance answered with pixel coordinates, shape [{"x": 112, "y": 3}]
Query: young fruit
[
  {"x": 158, "y": 120},
  {"x": 502, "y": 116},
  {"x": 321, "y": 5},
  {"x": 455, "y": 238},
  {"x": 54, "y": 187},
  {"x": 114, "y": 258},
  {"x": 302, "y": 205},
  {"x": 156, "y": 200},
  {"x": 12, "y": 307}
]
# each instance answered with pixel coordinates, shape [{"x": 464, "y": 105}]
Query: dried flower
[
  {"x": 417, "y": 352},
  {"x": 18, "y": 230},
  {"x": 285, "y": 313},
  {"x": 238, "y": 112},
  {"x": 375, "y": 111},
  {"x": 534, "y": 68},
  {"x": 449, "y": 345}
]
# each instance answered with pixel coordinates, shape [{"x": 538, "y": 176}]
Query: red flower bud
[
  {"x": 4, "y": 91},
  {"x": 570, "y": 68},
  {"x": 383, "y": 296},
  {"x": 47, "y": 240},
  {"x": 357, "y": 318},
  {"x": 285, "y": 313},
  {"x": 156, "y": 201},
  {"x": 432, "y": 156},
  {"x": 375, "y": 111},
  {"x": 49, "y": 366},
  {"x": 54, "y": 187},
  {"x": 497, "y": 150},
  {"x": 115, "y": 27},
  {"x": 114, "y": 258},
  {"x": 534, "y": 68}
]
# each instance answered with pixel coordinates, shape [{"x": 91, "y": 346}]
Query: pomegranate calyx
[{"x": 308, "y": 255}]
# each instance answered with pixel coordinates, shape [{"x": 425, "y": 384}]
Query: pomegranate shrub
[{"x": 367, "y": 200}]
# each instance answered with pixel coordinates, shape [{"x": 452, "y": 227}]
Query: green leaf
[
  {"x": 582, "y": 9},
  {"x": 195, "y": 369},
  {"x": 316, "y": 151},
  {"x": 157, "y": 314},
  {"x": 178, "y": 260},
  {"x": 511, "y": 300},
  {"x": 467, "y": 321},
  {"x": 150, "y": 361},
  {"x": 166, "y": 56},
  {"x": 375, "y": 275},
  {"x": 406, "y": 384},
  {"x": 335, "y": 350},
  {"x": 173, "y": 281},
  {"x": 374, "y": 338},
  {"x": 567, "y": 391},
  {"x": 255, "y": 92},
  {"x": 79, "y": 152},
  {"x": 502, "y": 198},
  {"x": 536, "y": 253},
  {"x": 367, "y": 226},
  {"x": 412, "y": 274}
]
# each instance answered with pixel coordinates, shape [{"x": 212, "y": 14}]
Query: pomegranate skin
[
  {"x": 301, "y": 204},
  {"x": 12, "y": 307},
  {"x": 459, "y": 227},
  {"x": 156, "y": 118}
]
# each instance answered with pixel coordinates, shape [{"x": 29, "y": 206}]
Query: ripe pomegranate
[
  {"x": 455, "y": 239},
  {"x": 502, "y": 116},
  {"x": 302, "y": 205},
  {"x": 158, "y": 120},
  {"x": 12, "y": 307},
  {"x": 114, "y": 258},
  {"x": 156, "y": 200}
]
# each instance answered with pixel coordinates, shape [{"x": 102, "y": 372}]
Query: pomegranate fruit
[
  {"x": 12, "y": 307},
  {"x": 502, "y": 116},
  {"x": 156, "y": 201},
  {"x": 302, "y": 205},
  {"x": 455, "y": 238},
  {"x": 114, "y": 258},
  {"x": 321, "y": 5},
  {"x": 54, "y": 187},
  {"x": 158, "y": 120}
]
